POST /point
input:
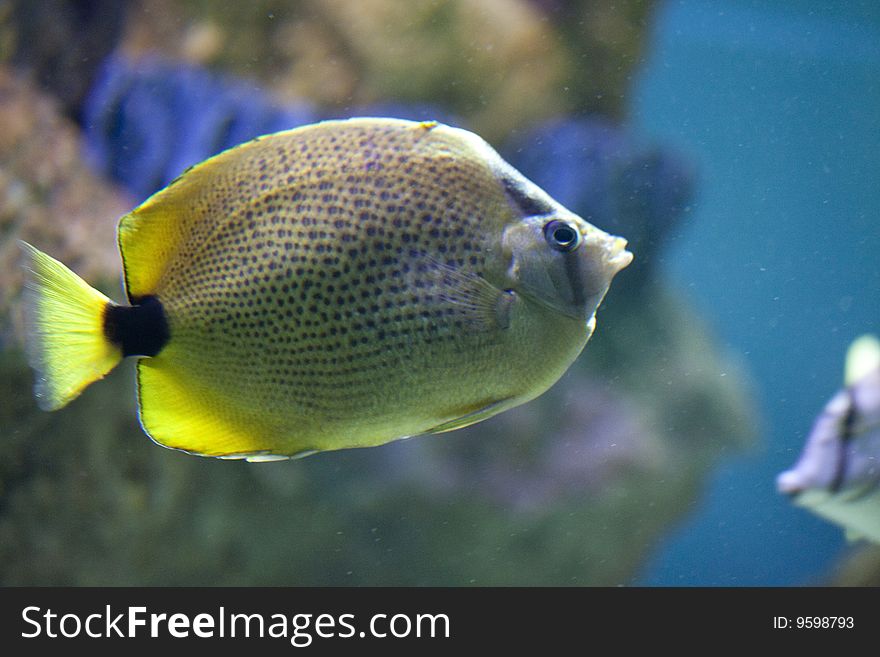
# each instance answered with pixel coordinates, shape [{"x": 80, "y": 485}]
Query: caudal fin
[{"x": 64, "y": 330}]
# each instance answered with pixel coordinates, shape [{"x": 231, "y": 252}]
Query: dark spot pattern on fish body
[{"x": 311, "y": 284}]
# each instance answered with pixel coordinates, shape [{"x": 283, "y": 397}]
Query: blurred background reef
[{"x": 103, "y": 102}]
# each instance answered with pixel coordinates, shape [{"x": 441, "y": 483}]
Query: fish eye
[{"x": 561, "y": 236}]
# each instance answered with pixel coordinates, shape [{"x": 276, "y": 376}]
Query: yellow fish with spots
[{"x": 338, "y": 285}]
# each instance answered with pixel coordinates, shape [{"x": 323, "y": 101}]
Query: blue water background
[{"x": 780, "y": 104}]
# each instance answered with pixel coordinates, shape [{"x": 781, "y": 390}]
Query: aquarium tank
[{"x": 734, "y": 145}]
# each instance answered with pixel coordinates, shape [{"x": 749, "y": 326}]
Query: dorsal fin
[
  {"x": 173, "y": 220},
  {"x": 862, "y": 358}
]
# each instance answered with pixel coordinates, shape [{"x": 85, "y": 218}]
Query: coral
[
  {"x": 491, "y": 61},
  {"x": 499, "y": 64},
  {"x": 148, "y": 120},
  {"x": 60, "y": 43},
  {"x": 495, "y": 63}
]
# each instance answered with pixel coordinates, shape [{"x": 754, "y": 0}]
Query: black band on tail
[{"x": 140, "y": 330}]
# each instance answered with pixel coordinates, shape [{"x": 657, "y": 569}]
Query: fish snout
[
  {"x": 616, "y": 255},
  {"x": 790, "y": 482},
  {"x": 606, "y": 255}
]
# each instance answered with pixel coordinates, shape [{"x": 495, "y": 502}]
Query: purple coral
[{"x": 146, "y": 121}]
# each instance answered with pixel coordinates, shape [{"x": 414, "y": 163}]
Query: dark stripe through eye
[
  {"x": 529, "y": 206},
  {"x": 572, "y": 264}
]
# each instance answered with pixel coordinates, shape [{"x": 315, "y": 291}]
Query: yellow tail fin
[{"x": 64, "y": 335}]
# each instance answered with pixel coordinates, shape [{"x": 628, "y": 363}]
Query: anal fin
[
  {"x": 484, "y": 412},
  {"x": 181, "y": 412}
]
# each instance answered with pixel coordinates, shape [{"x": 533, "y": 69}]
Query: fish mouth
[
  {"x": 790, "y": 483},
  {"x": 616, "y": 255}
]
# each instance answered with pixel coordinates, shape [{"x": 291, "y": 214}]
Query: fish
[
  {"x": 338, "y": 285},
  {"x": 838, "y": 473}
]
